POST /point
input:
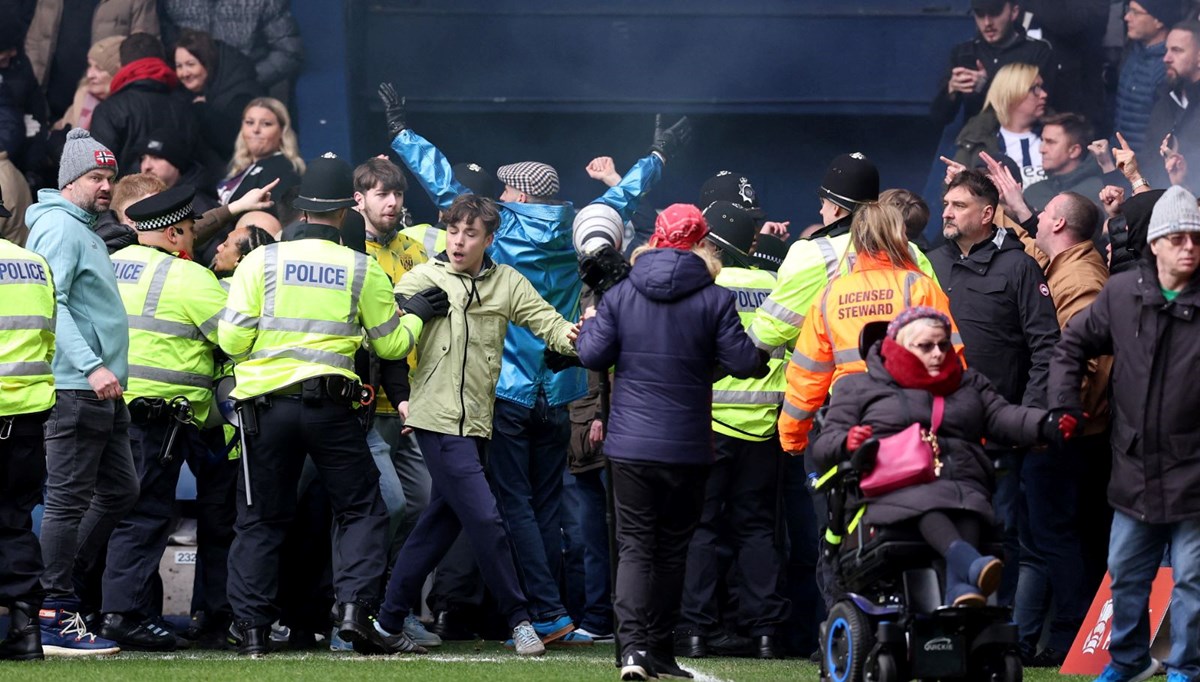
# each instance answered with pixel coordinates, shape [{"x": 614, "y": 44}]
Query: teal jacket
[{"x": 92, "y": 330}]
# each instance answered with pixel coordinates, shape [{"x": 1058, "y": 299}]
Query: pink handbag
[{"x": 906, "y": 458}]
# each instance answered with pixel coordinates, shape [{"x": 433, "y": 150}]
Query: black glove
[
  {"x": 863, "y": 459},
  {"x": 671, "y": 141},
  {"x": 557, "y": 362},
  {"x": 393, "y": 108},
  {"x": 428, "y": 304}
]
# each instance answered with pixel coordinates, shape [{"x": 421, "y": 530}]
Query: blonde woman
[
  {"x": 883, "y": 281},
  {"x": 265, "y": 150},
  {"x": 1009, "y": 123}
]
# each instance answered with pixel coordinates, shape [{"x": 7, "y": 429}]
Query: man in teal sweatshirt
[{"x": 90, "y": 477}]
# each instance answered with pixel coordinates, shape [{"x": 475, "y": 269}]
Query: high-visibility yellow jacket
[
  {"x": 397, "y": 256},
  {"x": 300, "y": 309},
  {"x": 827, "y": 348},
  {"x": 27, "y": 310},
  {"x": 431, "y": 237},
  {"x": 810, "y": 265},
  {"x": 173, "y": 306},
  {"x": 749, "y": 408}
]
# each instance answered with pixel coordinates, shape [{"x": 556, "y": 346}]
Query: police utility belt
[{"x": 334, "y": 389}]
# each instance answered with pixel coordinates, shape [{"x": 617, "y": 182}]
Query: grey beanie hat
[
  {"x": 1175, "y": 211},
  {"x": 81, "y": 154}
]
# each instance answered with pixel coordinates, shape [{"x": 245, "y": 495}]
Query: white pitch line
[{"x": 701, "y": 676}]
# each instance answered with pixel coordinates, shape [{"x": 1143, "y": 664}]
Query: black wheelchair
[{"x": 889, "y": 623}]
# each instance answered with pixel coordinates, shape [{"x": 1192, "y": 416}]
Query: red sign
[{"x": 1089, "y": 653}]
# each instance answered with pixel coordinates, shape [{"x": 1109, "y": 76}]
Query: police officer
[
  {"x": 173, "y": 306},
  {"x": 297, "y": 311},
  {"x": 27, "y": 308},
  {"x": 742, "y": 489}
]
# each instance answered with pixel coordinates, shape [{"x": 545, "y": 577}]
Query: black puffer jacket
[
  {"x": 1155, "y": 397},
  {"x": 974, "y": 412},
  {"x": 131, "y": 114},
  {"x": 228, "y": 90}
]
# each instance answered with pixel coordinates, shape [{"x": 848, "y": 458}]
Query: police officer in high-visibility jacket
[
  {"x": 743, "y": 485},
  {"x": 296, "y": 314},
  {"x": 173, "y": 306},
  {"x": 27, "y": 309},
  {"x": 884, "y": 280},
  {"x": 850, "y": 182}
]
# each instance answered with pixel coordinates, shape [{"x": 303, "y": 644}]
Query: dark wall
[{"x": 776, "y": 88}]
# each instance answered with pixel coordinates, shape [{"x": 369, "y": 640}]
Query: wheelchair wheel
[
  {"x": 881, "y": 668},
  {"x": 848, "y": 638},
  {"x": 1012, "y": 671}
]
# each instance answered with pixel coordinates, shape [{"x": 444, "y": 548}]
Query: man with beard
[
  {"x": 91, "y": 481},
  {"x": 1173, "y": 122},
  {"x": 379, "y": 187}
]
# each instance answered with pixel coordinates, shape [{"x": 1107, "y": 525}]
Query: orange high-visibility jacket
[{"x": 827, "y": 348}]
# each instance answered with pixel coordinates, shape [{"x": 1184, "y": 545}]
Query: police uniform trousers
[
  {"x": 22, "y": 472},
  {"x": 216, "y": 511},
  {"x": 136, "y": 545},
  {"x": 330, "y": 434},
  {"x": 741, "y": 502}
]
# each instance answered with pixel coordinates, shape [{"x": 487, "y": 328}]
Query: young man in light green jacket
[{"x": 450, "y": 410}]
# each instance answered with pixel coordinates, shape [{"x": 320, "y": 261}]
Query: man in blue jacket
[
  {"x": 91, "y": 482},
  {"x": 527, "y": 455},
  {"x": 1142, "y": 72}
]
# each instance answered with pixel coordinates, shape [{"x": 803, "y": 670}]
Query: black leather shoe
[
  {"x": 690, "y": 645},
  {"x": 250, "y": 641},
  {"x": 449, "y": 626},
  {"x": 24, "y": 641},
  {"x": 354, "y": 625},
  {"x": 1048, "y": 658},
  {"x": 729, "y": 644},
  {"x": 137, "y": 635},
  {"x": 765, "y": 646}
]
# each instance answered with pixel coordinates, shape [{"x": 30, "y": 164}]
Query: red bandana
[{"x": 679, "y": 226}]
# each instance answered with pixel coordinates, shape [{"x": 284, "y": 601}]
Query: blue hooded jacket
[
  {"x": 536, "y": 240},
  {"x": 665, "y": 328}
]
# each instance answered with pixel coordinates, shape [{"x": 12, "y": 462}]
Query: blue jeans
[
  {"x": 1134, "y": 556},
  {"x": 593, "y": 511},
  {"x": 389, "y": 486},
  {"x": 526, "y": 459},
  {"x": 1051, "y": 566}
]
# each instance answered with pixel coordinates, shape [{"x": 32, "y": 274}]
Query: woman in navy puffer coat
[{"x": 665, "y": 329}]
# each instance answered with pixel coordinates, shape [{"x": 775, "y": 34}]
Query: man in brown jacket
[{"x": 1075, "y": 272}]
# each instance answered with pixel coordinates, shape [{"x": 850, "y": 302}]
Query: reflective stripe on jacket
[
  {"x": 173, "y": 306},
  {"x": 749, "y": 408},
  {"x": 27, "y": 311},
  {"x": 827, "y": 348},
  {"x": 300, "y": 309},
  {"x": 809, "y": 266}
]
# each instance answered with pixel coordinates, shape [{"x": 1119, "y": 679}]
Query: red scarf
[
  {"x": 908, "y": 370},
  {"x": 147, "y": 68}
]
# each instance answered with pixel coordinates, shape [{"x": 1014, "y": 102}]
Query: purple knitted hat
[{"x": 912, "y": 315}]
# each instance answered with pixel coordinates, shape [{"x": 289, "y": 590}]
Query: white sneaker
[
  {"x": 526, "y": 640},
  {"x": 598, "y": 639}
]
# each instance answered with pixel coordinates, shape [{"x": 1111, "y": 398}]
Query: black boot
[
  {"x": 766, "y": 646},
  {"x": 250, "y": 641},
  {"x": 24, "y": 641},
  {"x": 690, "y": 644},
  {"x": 354, "y": 624}
]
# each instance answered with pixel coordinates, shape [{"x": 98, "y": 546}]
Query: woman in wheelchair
[{"x": 913, "y": 368}]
